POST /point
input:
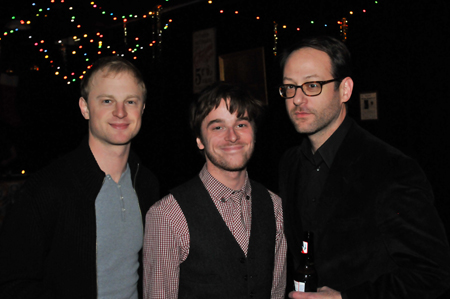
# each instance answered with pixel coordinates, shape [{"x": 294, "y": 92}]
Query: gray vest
[{"x": 216, "y": 266}]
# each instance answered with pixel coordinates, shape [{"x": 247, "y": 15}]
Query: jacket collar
[{"x": 88, "y": 174}]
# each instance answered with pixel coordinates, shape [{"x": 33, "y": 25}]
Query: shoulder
[
  {"x": 58, "y": 185},
  {"x": 144, "y": 180},
  {"x": 148, "y": 175},
  {"x": 291, "y": 153},
  {"x": 274, "y": 197},
  {"x": 136, "y": 165},
  {"x": 290, "y": 156},
  {"x": 57, "y": 173},
  {"x": 365, "y": 141},
  {"x": 381, "y": 160},
  {"x": 188, "y": 186},
  {"x": 277, "y": 203},
  {"x": 276, "y": 200},
  {"x": 165, "y": 205},
  {"x": 289, "y": 163},
  {"x": 167, "y": 213},
  {"x": 376, "y": 150}
]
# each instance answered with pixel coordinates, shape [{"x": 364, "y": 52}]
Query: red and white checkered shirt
[{"x": 166, "y": 241}]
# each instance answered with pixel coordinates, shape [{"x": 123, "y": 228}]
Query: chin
[
  {"x": 303, "y": 128},
  {"x": 236, "y": 166},
  {"x": 121, "y": 141}
]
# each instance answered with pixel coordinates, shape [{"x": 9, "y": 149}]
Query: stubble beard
[
  {"x": 225, "y": 165},
  {"x": 320, "y": 121}
]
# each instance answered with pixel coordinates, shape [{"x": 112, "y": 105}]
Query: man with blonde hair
[{"x": 76, "y": 230}]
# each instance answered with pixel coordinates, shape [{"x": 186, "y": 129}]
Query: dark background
[{"x": 400, "y": 50}]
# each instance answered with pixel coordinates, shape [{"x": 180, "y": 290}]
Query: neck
[
  {"x": 232, "y": 179},
  {"x": 112, "y": 160},
  {"x": 318, "y": 139}
]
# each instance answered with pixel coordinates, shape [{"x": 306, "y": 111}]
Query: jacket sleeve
[
  {"x": 23, "y": 245},
  {"x": 287, "y": 174},
  {"x": 413, "y": 235}
]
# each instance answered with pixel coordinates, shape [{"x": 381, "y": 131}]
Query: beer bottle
[{"x": 305, "y": 277}]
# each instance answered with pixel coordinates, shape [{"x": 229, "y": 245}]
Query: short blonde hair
[{"x": 113, "y": 65}]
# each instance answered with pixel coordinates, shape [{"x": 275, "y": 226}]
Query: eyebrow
[
  {"x": 214, "y": 121},
  {"x": 244, "y": 118},
  {"x": 126, "y": 98},
  {"x": 219, "y": 120},
  {"x": 309, "y": 77}
]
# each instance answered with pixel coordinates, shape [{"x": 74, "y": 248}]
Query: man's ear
[
  {"x": 346, "y": 89},
  {"x": 200, "y": 144},
  {"x": 83, "y": 107}
]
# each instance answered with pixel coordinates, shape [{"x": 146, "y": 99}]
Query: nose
[
  {"x": 120, "y": 111},
  {"x": 299, "y": 98},
  {"x": 232, "y": 136}
]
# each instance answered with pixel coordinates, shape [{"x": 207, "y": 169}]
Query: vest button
[
  {"x": 242, "y": 260},
  {"x": 245, "y": 277}
]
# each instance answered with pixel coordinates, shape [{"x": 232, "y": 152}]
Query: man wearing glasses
[{"x": 370, "y": 207}]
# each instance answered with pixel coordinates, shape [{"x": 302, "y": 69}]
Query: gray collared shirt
[{"x": 119, "y": 238}]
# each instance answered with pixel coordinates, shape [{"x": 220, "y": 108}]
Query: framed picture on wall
[{"x": 246, "y": 67}]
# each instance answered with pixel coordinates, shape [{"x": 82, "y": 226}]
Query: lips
[
  {"x": 121, "y": 126},
  {"x": 232, "y": 148},
  {"x": 301, "y": 114}
]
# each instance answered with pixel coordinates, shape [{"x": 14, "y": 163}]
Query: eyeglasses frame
[{"x": 322, "y": 83}]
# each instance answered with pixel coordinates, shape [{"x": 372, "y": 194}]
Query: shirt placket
[{"x": 240, "y": 232}]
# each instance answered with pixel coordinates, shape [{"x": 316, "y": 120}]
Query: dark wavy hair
[{"x": 240, "y": 100}]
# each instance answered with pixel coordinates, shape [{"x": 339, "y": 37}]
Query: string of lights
[{"x": 89, "y": 45}]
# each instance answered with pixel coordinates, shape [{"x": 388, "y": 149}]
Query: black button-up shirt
[{"x": 314, "y": 173}]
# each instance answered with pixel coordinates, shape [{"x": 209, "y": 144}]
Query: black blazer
[{"x": 380, "y": 234}]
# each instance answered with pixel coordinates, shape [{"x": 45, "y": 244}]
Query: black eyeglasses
[{"x": 311, "y": 89}]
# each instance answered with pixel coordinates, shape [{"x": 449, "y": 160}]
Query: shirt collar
[
  {"x": 123, "y": 176},
  {"x": 219, "y": 191},
  {"x": 328, "y": 150}
]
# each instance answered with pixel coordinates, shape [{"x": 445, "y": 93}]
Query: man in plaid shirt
[{"x": 220, "y": 235}]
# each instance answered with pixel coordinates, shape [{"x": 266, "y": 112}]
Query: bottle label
[
  {"x": 299, "y": 286},
  {"x": 305, "y": 247}
]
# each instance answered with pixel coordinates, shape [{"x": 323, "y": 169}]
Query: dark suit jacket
[{"x": 379, "y": 233}]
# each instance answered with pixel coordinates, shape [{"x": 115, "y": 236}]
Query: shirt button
[{"x": 223, "y": 199}]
